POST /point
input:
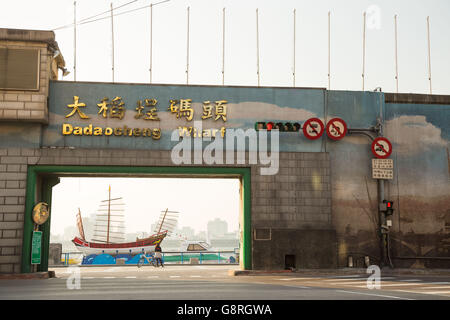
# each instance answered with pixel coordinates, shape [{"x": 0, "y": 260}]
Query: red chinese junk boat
[{"x": 107, "y": 232}]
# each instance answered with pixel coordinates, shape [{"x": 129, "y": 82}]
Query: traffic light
[
  {"x": 284, "y": 127},
  {"x": 388, "y": 207}
]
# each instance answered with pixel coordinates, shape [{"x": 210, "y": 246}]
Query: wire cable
[{"x": 83, "y": 21}]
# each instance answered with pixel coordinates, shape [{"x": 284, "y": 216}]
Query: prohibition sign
[
  {"x": 313, "y": 128},
  {"x": 336, "y": 128},
  {"x": 381, "y": 148}
]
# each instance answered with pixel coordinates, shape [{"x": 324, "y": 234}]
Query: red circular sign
[
  {"x": 313, "y": 128},
  {"x": 336, "y": 128},
  {"x": 381, "y": 148}
]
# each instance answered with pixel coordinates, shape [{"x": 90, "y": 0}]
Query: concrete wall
[{"x": 28, "y": 105}]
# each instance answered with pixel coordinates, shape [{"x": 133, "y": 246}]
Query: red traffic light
[{"x": 283, "y": 127}]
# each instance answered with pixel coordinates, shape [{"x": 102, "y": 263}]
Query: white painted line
[
  {"x": 174, "y": 276},
  {"x": 437, "y": 292},
  {"x": 410, "y": 280},
  {"x": 376, "y": 295},
  {"x": 438, "y": 283},
  {"x": 130, "y": 277},
  {"x": 344, "y": 280},
  {"x": 400, "y": 284},
  {"x": 298, "y": 287},
  {"x": 426, "y": 292},
  {"x": 196, "y": 276},
  {"x": 153, "y": 276},
  {"x": 290, "y": 279},
  {"x": 442, "y": 288},
  {"x": 109, "y": 277},
  {"x": 349, "y": 283}
]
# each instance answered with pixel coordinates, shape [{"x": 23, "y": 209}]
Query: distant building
[
  {"x": 186, "y": 232},
  {"x": 217, "y": 228}
]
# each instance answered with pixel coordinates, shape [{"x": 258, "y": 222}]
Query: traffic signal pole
[{"x": 383, "y": 230}]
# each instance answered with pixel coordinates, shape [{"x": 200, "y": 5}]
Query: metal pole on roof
[
  {"x": 293, "y": 68},
  {"x": 329, "y": 50},
  {"x": 112, "y": 41},
  {"x": 74, "y": 41},
  {"x": 257, "y": 46},
  {"x": 364, "y": 48},
  {"x": 151, "y": 40},
  {"x": 429, "y": 53},
  {"x": 396, "y": 57},
  {"x": 223, "y": 47},
  {"x": 187, "y": 48}
]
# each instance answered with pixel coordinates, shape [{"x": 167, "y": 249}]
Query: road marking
[
  {"x": 377, "y": 295},
  {"x": 349, "y": 276},
  {"x": 131, "y": 277},
  {"x": 442, "y": 288},
  {"x": 87, "y": 278},
  {"x": 425, "y": 292},
  {"x": 298, "y": 287},
  {"x": 174, "y": 276},
  {"x": 153, "y": 276},
  {"x": 395, "y": 285},
  {"x": 438, "y": 283},
  {"x": 400, "y": 284},
  {"x": 410, "y": 280},
  {"x": 349, "y": 283},
  {"x": 290, "y": 279},
  {"x": 343, "y": 280},
  {"x": 196, "y": 276},
  {"x": 109, "y": 277}
]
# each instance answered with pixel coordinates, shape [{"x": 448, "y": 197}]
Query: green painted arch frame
[{"x": 48, "y": 176}]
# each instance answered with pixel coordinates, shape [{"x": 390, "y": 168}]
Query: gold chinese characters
[{"x": 146, "y": 109}]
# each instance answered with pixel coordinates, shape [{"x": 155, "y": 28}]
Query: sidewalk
[
  {"x": 343, "y": 271},
  {"x": 20, "y": 276}
]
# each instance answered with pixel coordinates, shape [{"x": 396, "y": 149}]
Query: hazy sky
[
  {"x": 197, "y": 200},
  {"x": 276, "y": 41}
]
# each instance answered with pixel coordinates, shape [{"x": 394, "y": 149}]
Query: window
[{"x": 19, "y": 69}]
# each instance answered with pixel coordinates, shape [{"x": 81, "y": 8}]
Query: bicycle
[{"x": 151, "y": 261}]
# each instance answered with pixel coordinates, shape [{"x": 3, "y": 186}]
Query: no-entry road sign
[
  {"x": 336, "y": 128},
  {"x": 381, "y": 147},
  {"x": 313, "y": 128}
]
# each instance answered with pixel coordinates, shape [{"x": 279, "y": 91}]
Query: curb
[
  {"x": 257, "y": 272},
  {"x": 345, "y": 271},
  {"x": 28, "y": 276}
]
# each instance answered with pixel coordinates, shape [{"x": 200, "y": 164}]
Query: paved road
[{"x": 213, "y": 282}]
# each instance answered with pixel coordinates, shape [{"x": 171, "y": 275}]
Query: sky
[
  {"x": 197, "y": 201},
  {"x": 132, "y": 41}
]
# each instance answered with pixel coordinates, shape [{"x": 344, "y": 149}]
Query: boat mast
[{"x": 160, "y": 226}]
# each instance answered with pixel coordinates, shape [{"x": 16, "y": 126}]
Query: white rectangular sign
[
  {"x": 382, "y": 173},
  {"x": 382, "y": 164}
]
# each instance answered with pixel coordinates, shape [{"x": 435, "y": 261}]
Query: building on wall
[{"x": 311, "y": 202}]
